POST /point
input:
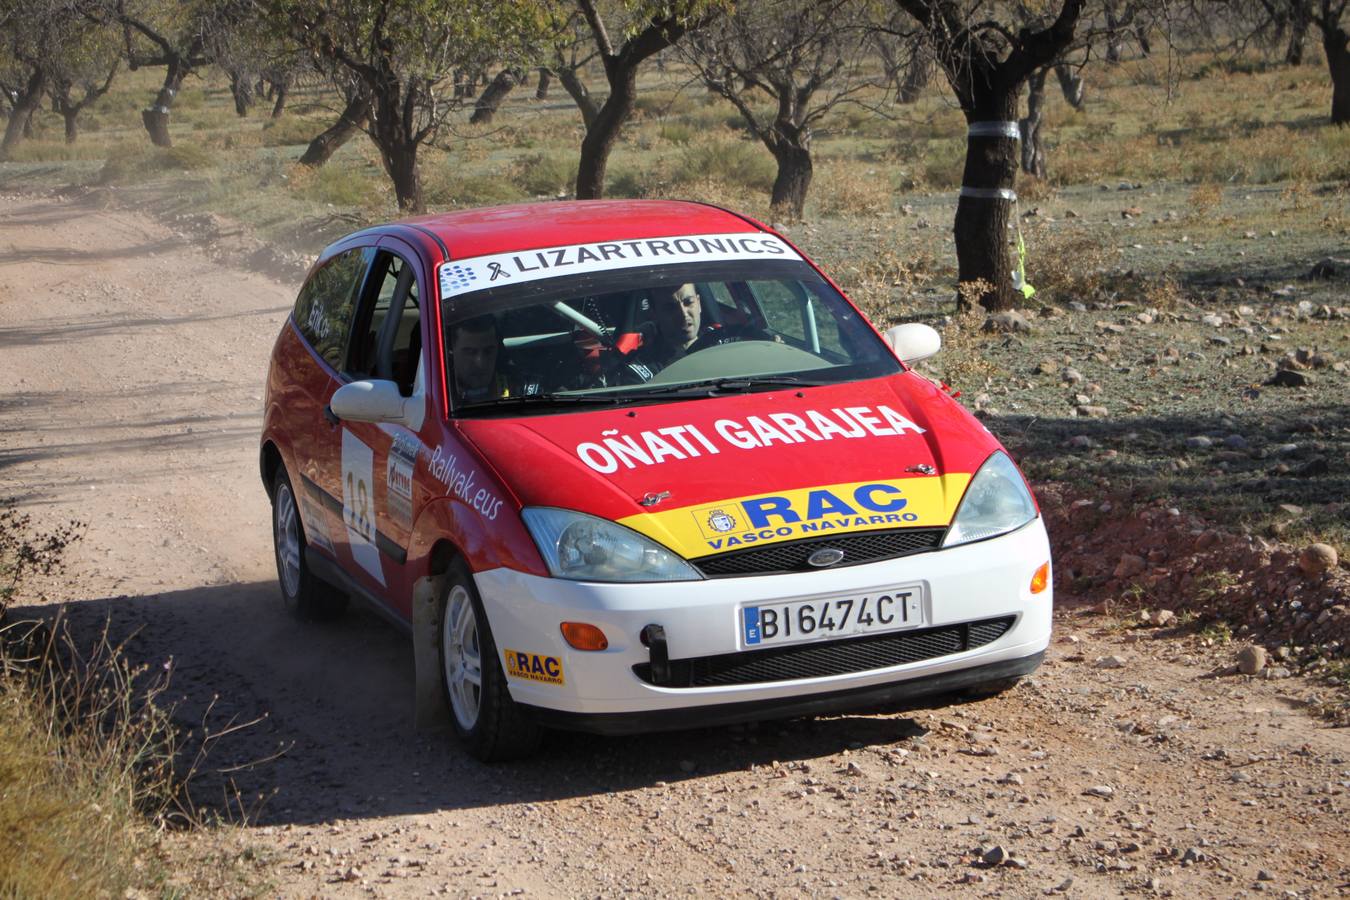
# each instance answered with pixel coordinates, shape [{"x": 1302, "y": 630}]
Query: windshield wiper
[
  {"x": 730, "y": 385},
  {"x": 524, "y": 400}
]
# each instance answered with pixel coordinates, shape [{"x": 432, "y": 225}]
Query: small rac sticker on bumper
[{"x": 533, "y": 667}]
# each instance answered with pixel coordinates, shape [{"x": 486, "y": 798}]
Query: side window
[
  {"x": 323, "y": 311},
  {"x": 387, "y": 337},
  {"x": 383, "y": 281},
  {"x": 406, "y": 347}
]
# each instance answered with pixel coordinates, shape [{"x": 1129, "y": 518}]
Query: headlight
[
  {"x": 584, "y": 548},
  {"x": 997, "y": 501}
]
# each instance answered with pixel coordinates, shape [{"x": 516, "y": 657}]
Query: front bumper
[{"x": 600, "y": 690}]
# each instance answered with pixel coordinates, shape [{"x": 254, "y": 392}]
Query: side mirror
[
  {"x": 375, "y": 400},
  {"x": 913, "y": 341}
]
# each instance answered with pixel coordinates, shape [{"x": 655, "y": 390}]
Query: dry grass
[
  {"x": 851, "y": 190},
  {"x": 88, "y": 777},
  {"x": 1065, "y": 265},
  {"x": 963, "y": 363},
  {"x": 883, "y": 283},
  {"x": 84, "y": 751},
  {"x": 82, "y": 761}
]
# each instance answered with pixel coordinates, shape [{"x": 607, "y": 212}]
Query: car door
[
  {"x": 323, "y": 316},
  {"x": 377, "y": 461}
]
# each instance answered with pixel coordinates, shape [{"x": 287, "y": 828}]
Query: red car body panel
[{"x": 472, "y": 476}]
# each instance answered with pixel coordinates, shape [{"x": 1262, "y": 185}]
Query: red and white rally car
[{"x": 625, "y": 466}]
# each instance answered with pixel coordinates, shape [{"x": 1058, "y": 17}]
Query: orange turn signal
[
  {"x": 583, "y": 636},
  {"x": 1041, "y": 579}
]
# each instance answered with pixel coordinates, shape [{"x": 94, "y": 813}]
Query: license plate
[{"x": 833, "y": 617}]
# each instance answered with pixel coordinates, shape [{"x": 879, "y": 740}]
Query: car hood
[{"x": 714, "y": 474}]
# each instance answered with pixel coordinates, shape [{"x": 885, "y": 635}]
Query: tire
[
  {"x": 304, "y": 594},
  {"x": 491, "y": 725}
]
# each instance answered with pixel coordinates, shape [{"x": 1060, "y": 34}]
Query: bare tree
[
  {"x": 571, "y": 49},
  {"x": 905, "y": 59},
  {"x": 986, "y": 63},
  {"x": 400, "y": 52},
  {"x": 1328, "y": 15},
  {"x": 353, "y": 119},
  {"x": 23, "y": 76},
  {"x": 51, "y": 47},
  {"x": 67, "y": 81},
  {"x": 159, "y": 34},
  {"x": 799, "y": 54},
  {"x": 505, "y": 81},
  {"x": 652, "y": 28}
]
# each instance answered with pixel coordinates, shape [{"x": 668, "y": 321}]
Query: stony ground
[{"x": 1137, "y": 761}]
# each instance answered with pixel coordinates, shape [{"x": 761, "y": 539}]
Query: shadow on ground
[{"x": 331, "y": 708}]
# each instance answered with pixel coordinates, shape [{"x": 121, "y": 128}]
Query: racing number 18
[{"x": 359, "y": 508}]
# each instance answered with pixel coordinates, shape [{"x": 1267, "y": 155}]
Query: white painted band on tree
[
  {"x": 994, "y": 130},
  {"x": 989, "y": 193}
]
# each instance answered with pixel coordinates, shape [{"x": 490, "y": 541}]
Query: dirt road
[{"x": 131, "y": 367}]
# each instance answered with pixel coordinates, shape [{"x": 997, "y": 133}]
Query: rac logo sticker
[
  {"x": 802, "y": 513},
  {"x": 534, "y": 667}
]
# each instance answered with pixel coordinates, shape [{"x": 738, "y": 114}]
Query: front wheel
[{"x": 491, "y": 725}]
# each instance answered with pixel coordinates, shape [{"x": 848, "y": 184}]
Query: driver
[
  {"x": 678, "y": 316},
  {"x": 474, "y": 347}
]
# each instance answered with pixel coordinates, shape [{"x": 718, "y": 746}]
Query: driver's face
[
  {"x": 678, "y": 315},
  {"x": 475, "y": 356}
]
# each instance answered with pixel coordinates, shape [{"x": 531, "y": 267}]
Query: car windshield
[{"x": 653, "y": 333}]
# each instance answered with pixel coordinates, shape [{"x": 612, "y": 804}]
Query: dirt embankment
[{"x": 131, "y": 373}]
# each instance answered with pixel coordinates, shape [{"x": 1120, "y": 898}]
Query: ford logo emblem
[{"x": 825, "y": 556}]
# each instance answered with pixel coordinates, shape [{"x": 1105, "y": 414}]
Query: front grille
[
  {"x": 840, "y": 657},
  {"x": 869, "y": 546}
]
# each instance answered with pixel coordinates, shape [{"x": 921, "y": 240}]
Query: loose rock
[
  {"x": 1007, "y": 321},
  {"x": 1316, "y": 559},
  {"x": 1251, "y": 660},
  {"x": 1129, "y": 565}
]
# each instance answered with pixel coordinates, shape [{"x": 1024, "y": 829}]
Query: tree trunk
[
  {"x": 890, "y": 65},
  {"x": 572, "y": 83},
  {"x": 1113, "y": 43},
  {"x": 917, "y": 75},
  {"x": 352, "y": 120},
  {"x": 494, "y": 94},
  {"x": 981, "y": 228},
  {"x": 20, "y": 117},
  {"x": 1336, "y": 43},
  {"x": 72, "y": 120},
  {"x": 545, "y": 79},
  {"x": 401, "y": 164},
  {"x": 283, "y": 91},
  {"x": 156, "y": 118},
  {"x": 1070, "y": 84},
  {"x": 1033, "y": 151},
  {"x": 1300, "y": 18},
  {"x": 793, "y": 180},
  {"x": 398, "y": 145},
  {"x": 241, "y": 89},
  {"x": 604, "y": 130}
]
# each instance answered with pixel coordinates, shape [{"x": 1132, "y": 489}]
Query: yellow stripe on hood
[{"x": 742, "y": 522}]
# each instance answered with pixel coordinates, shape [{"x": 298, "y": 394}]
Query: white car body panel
[{"x": 976, "y": 581}]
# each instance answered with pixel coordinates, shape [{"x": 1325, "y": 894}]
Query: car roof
[{"x": 529, "y": 226}]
